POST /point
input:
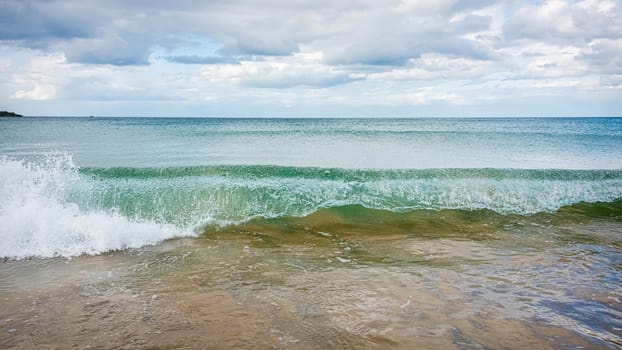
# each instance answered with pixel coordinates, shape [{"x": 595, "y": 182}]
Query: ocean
[{"x": 311, "y": 233}]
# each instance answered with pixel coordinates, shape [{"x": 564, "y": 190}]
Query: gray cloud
[
  {"x": 472, "y": 23},
  {"x": 562, "y": 22},
  {"x": 194, "y": 59},
  {"x": 350, "y": 32},
  {"x": 466, "y": 5},
  {"x": 308, "y": 80},
  {"x": 108, "y": 50},
  {"x": 33, "y": 24},
  {"x": 604, "y": 54}
]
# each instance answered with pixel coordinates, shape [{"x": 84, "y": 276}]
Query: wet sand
[{"x": 317, "y": 284}]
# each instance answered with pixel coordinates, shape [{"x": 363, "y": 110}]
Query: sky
[{"x": 327, "y": 58}]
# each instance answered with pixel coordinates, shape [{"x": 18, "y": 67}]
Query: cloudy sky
[{"x": 311, "y": 57}]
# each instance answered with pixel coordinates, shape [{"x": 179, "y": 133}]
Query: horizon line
[{"x": 317, "y": 117}]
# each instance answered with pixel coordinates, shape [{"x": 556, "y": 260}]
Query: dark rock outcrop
[{"x": 9, "y": 114}]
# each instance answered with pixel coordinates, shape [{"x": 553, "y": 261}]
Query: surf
[
  {"x": 52, "y": 207},
  {"x": 38, "y": 221}
]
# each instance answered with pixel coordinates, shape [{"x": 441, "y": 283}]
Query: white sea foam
[{"x": 35, "y": 221}]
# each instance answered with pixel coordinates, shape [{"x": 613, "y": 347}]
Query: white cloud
[
  {"x": 566, "y": 22},
  {"x": 300, "y": 69},
  {"x": 35, "y": 79},
  {"x": 38, "y": 93}
]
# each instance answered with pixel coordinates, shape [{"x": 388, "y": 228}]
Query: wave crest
[
  {"x": 51, "y": 207},
  {"x": 37, "y": 221}
]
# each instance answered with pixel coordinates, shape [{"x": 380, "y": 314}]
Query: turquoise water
[
  {"x": 136, "y": 181},
  {"x": 323, "y": 143}
]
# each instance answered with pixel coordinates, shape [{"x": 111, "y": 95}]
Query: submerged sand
[{"x": 312, "y": 287}]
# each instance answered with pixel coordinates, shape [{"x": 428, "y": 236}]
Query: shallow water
[{"x": 330, "y": 280}]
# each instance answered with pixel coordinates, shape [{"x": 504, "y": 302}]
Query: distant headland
[{"x": 9, "y": 114}]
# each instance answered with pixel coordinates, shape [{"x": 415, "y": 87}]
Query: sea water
[{"x": 359, "y": 232}]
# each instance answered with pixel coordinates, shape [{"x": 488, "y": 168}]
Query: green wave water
[
  {"x": 207, "y": 195},
  {"x": 263, "y": 171}
]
